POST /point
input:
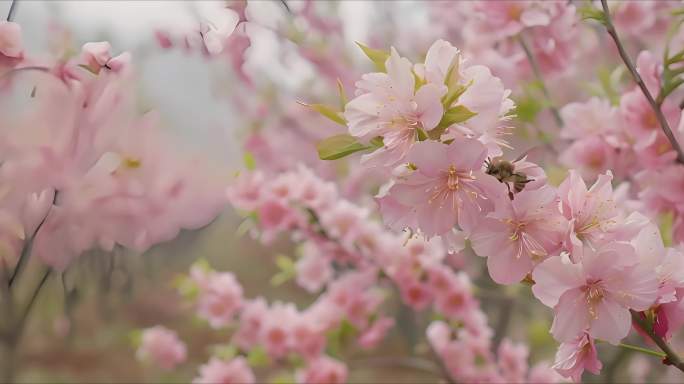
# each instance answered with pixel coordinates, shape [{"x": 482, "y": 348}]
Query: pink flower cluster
[
  {"x": 81, "y": 169},
  {"x": 339, "y": 233},
  {"x": 588, "y": 258}
]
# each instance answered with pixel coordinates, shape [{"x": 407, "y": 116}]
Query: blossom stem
[
  {"x": 640, "y": 82},
  {"x": 12, "y": 10},
  {"x": 642, "y": 350},
  {"x": 538, "y": 75},
  {"x": 670, "y": 356}
]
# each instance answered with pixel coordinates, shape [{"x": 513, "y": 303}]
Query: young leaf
[
  {"x": 590, "y": 13},
  {"x": 454, "y": 93},
  {"x": 258, "y": 357},
  {"x": 250, "y": 162},
  {"x": 343, "y": 94},
  {"x": 327, "y": 111},
  {"x": 454, "y": 115},
  {"x": 377, "y": 56},
  {"x": 339, "y": 146}
]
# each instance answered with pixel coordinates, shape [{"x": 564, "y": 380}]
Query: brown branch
[
  {"x": 672, "y": 358},
  {"x": 640, "y": 82}
]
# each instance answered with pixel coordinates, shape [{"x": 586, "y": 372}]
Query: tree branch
[
  {"x": 640, "y": 82},
  {"x": 671, "y": 357},
  {"x": 538, "y": 75},
  {"x": 12, "y": 10}
]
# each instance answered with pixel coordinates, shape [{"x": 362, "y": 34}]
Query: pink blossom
[
  {"x": 590, "y": 156},
  {"x": 519, "y": 234},
  {"x": 576, "y": 355},
  {"x": 448, "y": 187},
  {"x": 162, "y": 347},
  {"x": 313, "y": 268},
  {"x": 323, "y": 370},
  {"x": 597, "y": 293},
  {"x": 220, "y": 298},
  {"x": 11, "y": 45},
  {"x": 276, "y": 330},
  {"x": 453, "y": 297},
  {"x": 251, "y": 322},
  {"x": 593, "y": 214},
  {"x": 512, "y": 361},
  {"x": 388, "y": 105},
  {"x": 217, "y": 371},
  {"x": 593, "y": 117},
  {"x": 372, "y": 336}
]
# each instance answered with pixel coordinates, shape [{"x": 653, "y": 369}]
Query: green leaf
[
  {"x": 285, "y": 263},
  {"x": 248, "y": 159},
  {"x": 339, "y": 146},
  {"x": 377, "y": 142},
  {"x": 225, "y": 352},
  {"x": 186, "y": 287},
  {"x": 340, "y": 337},
  {"x": 457, "y": 114},
  {"x": 591, "y": 13},
  {"x": 527, "y": 109},
  {"x": 257, "y": 357},
  {"x": 453, "y": 115},
  {"x": 283, "y": 378},
  {"x": 328, "y": 112},
  {"x": 377, "y": 56},
  {"x": 666, "y": 221},
  {"x": 135, "y": 337},
  {"x": 454, "y": 93},
  {"x": 343, "y": 94}
]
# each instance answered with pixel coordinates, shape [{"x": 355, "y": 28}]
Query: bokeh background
[{"x": 81, "y": 330}]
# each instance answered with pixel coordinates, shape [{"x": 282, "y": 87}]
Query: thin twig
[
  {"x": 538, "y": 75},
  {"x": 22, "y": 320},
  {"x": 28, "y": 246},
  {"x": 640, "y": 82},
  {"x": 12, "y": 10},
  {"x": 671, "y": 357}
]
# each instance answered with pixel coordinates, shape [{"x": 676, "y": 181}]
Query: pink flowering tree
[{"x": 492, "y": 193}]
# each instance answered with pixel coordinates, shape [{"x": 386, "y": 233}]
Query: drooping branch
[{"x": 607, "y": 21}]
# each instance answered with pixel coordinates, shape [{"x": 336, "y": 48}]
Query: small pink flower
[
  {"x": 519, "y": 234},
  {"x": 596, "y": 294},
  {"x": 219, "y": 299},
  {"x": 455, "y": 299},
  {"x": 252, "y": 319},
  {"x": 216, "y": 371},
  {"x": 323, "y": 370},
  {"x": 577, "y": 355},
  {"x": 448, "y": 187},
  {"x": 313, "y": 268},
  {"x": 276, "y": 331},
  {"x": 512, "y": 361},
  {"x": 388, "y": 105},
  {"x": 593, "y": 214},
  {"x": 372, "y": 336},
  {"x": 162, "y": 347}
]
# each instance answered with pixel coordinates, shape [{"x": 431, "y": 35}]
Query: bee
[{"x": 504, "y": 171}]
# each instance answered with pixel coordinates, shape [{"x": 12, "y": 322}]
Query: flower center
[{"x": 595, "y": 294}]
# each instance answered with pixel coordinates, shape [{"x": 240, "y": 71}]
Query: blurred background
[{"x": 82, "y": 327}]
